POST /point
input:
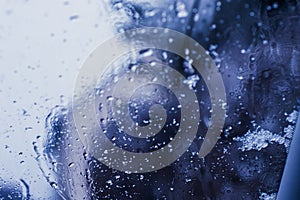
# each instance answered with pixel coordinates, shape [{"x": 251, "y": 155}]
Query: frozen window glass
[{"x": 110, "y": 131}]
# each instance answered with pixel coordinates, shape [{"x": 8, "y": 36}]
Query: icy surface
[
  {"x": 256, "y": 49},
  {"x": 255, "y": 45}
]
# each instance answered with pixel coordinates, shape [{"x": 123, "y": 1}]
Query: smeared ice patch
[
  {"x": 258, "y": 139},
  {"x": 265, "y": 196},
  {"x": 261, "y": 138},
  {"x": 292, "y": 117}
]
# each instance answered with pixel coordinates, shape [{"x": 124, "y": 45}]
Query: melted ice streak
[{"x": 261, "y": 138}]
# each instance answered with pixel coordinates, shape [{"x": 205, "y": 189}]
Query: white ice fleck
[
  {"x": 192, "y": 81},
  {"x": 240, "y": 77},
  {"x": 147, "y": 53},
  {"x": 181, "y": 10},
  {"x": 188, "y": 180},
  {"x": 109, "y": 182}
]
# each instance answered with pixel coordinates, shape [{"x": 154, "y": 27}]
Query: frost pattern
[
  {"x": 261, "y": 138},
  {"x": 258, "y": 139}
]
